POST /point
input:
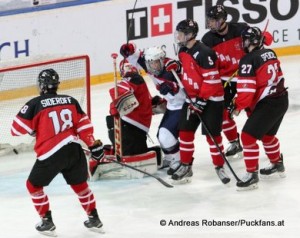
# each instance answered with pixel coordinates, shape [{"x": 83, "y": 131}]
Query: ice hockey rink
[{"x": 139, "y": 207}]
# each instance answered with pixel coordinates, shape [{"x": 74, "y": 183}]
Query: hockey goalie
[{"x": 128, "y": 124}]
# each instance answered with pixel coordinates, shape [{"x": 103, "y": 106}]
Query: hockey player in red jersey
[
  {"x": 133, "y": 107},
  {"x": 200, "y": 77},
  {"x": 262, "y": 94},
  {"x": 136, "y": 121},
  {"x": 58, "y": 122},
  {"x": 225, "y": 38},
  {"x": 157, "y": 65}
]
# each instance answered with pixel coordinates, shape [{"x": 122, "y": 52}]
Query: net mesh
[{"x": 18, "y": 84}]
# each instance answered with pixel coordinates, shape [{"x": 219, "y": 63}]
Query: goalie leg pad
[{"x": 146, "y": 162}]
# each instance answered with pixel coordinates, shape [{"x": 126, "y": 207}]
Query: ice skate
[
  {"x": 222, "y": 174},
  {"x": 93, "y": 223},
  {"x": 235, "y": 150},
  {"x": 165, "y": 163},
  {"x": 174, "y": 166},
  {"x": 183, "y": 174},
  {"x": 46, "y": 226},
  {"x": 248, "y": 182},
  {"x": 273, "y": 170}
]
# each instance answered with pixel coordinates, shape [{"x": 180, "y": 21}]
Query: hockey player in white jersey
[{"x": 154, "y": 61}]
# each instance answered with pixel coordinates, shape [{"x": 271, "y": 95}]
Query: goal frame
[{"x": 60, "y": 60}]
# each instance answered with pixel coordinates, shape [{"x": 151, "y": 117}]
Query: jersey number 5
[{"x": 61, "y": 121}]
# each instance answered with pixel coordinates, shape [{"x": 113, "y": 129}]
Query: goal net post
[{"x": 18, "y": 84}]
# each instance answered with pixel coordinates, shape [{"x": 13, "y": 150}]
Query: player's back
[
  {"x": 263, "y": 67},
  {"x": 54, "y": 118}
]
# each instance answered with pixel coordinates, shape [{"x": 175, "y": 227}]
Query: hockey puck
[{"x": 16, "y": 152}]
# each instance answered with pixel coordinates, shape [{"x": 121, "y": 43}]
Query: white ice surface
[{"x": 134, "y": 208}]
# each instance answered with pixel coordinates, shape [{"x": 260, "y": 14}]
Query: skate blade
[
  {"x": 250, "y": 187},
  {"x": 182, "y": 181},
  {"x": 277, "y": 175},
  {"x": 97, "y": 230},
  {"x": 48, "y": 233}
]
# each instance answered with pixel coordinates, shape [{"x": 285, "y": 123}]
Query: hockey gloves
[
  {"x": 198, "y": 106},
  {"x": 97, "y": 150},
  {"x": 172, "y": 64},
  {"x": 168, "y": 87},
  {"x": 232, "y": 109},
  {"x": 127, "y": 49},
  {"x": 158, "y": 105},
  {"x": 268, "y": 38}
]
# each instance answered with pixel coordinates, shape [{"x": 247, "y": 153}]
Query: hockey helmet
[
  {"x": 216, "y": 18},
  {"x": 126, "y": 69},
  {"x": 252, "y": 36},
  {"x": 154, "y": 59},
  {"x": 217, "y": 12},
  {"x": 187, "y": 27},
  {"x": 48, "y": 81}
]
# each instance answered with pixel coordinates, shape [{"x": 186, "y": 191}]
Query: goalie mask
[
  {"x": 127, "y": 69},
  {"x": 48, "y": 81},
  {"x": 154, "y": 59},
  {"x": 186, "y": 30},
  {"x": 216, "y": 18},
  {"x": 252, "y": 36}
]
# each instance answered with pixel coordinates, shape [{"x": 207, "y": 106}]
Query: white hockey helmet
[{"x": 156, "y": 54}]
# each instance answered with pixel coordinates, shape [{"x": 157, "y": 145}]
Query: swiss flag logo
[{"x": 161, "y": 19}]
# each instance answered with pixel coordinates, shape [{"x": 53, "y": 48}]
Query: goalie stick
[
  {"x": 117, "y": 119},
  {"x": 205, "y": 127},
  {"x": 133, "y": 168}
]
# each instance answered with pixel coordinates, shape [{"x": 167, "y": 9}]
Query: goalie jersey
[
  {"x": 141, "y": 115},
  {"x": 63, "y": 121}
]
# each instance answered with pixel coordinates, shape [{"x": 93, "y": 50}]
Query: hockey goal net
[{"x": 18, "y": 84}]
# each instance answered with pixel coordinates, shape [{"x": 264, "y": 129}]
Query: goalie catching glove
[{"x": 97, "y": 150}]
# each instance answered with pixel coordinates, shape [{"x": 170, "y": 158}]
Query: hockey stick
[
  {"x": 117, "y": 120},
  {"x": 205, "y": 127},
  {"x": 134, "y": 168},
  {"x": 231, "y": 77},
  {"x": 131, "y": 20}
]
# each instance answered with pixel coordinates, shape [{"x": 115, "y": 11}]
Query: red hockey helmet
[{"x": 126, "y": 69}]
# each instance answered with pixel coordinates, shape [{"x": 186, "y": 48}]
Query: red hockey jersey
[
  {"x": 228, "y": 48},
  {"x": 259, "y": 76},
  {"x": 200, "y": 75},
  {"x": 55, "y": 120},
  {"x": 141, "y": 116}
]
